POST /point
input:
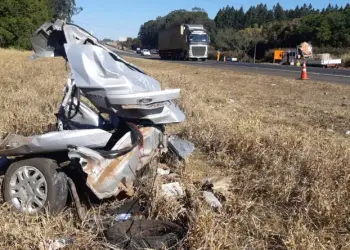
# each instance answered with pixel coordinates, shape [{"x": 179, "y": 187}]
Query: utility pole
[{"x": 255, "y": 51}]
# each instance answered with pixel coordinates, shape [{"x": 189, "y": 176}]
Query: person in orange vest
[{"x": 218, "y": 55}]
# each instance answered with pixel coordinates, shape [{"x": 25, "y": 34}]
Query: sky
[{"x": 115, "y": 19}]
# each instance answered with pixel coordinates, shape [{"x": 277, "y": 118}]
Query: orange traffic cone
[{"x": 304, "y": 72}]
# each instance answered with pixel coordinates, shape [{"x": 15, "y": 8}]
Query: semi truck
[{"x": 185, "y": 41}]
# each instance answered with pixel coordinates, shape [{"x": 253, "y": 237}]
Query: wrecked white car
[{"x": 110, "y": 124}]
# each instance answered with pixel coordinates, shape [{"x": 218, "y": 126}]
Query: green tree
[
  {"x": 241, "y": 41},
  {"x": 65, "y": 9},
  {"x": 239, "y": 18},
  {"x": 148, "y": 34},
  {"x": 270, "y": 16},
  {"x": 19, "y": 19},
  {"x": 280, "y": 14},
  {"x": 107, "y": 40},
  {"x": 132, "y": 43}
]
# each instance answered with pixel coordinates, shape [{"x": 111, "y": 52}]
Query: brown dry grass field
[{"x": 281, "y": 142}]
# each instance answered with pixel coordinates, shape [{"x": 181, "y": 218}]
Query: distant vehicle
[
  {"x": 138, "y": 51},
  {"x": 154, "y": 51},
  {"x": 145, "y": 52},
  {"x": 230, "y": 59},
  {"x": 186, "y": 41}
]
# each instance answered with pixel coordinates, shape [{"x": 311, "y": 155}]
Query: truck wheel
[
  {"x": 33, "y": 185},
  {"x": 185, "y": 58},
  {"x": 204, "y": 59}
]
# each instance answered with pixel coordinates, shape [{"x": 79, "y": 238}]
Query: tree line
[
  {"x": 20, "y": 18},
  {"x": 240, "y": 31}
]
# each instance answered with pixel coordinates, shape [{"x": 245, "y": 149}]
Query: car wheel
[{"x": 33, "y": 185}]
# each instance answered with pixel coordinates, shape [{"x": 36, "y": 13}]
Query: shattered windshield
[{"x": 198, "y": 38}]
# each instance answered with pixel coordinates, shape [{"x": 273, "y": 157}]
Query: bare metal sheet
[{"x": 183, "y": 148}]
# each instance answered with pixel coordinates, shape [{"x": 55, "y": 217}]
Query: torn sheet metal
[
  {"x": 14, "y": 145},
  {"x": 108, "y": 177},
  {"x": 122, "y": 217},
  {"x": 181, "y": 147},
  {"x": 93, "y": 67},
  {"x": 90, "y": 61},
  {"x": 161, "y": 171},
  {"x": 172, "y": 189},
  {"x": 49, "y": 39},
  {"x": 55, "y": 244},
  {"x": 210, "y": 198}
]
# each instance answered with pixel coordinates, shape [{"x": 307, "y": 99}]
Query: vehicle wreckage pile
[
  {"x": 126, "y": 224},
  {"x": 108, "y": 148}
]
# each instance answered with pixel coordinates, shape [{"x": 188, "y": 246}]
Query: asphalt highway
[{"x": 339, "y": 76}]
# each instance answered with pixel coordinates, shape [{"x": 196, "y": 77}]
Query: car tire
[{"x": 38, "y": 182}]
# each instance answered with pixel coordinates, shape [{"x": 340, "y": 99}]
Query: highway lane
[{"x": 339, "y": 76}]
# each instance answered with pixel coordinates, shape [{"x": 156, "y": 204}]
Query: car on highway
[
  {"x": 229, "y": 59},
  {"x": 154, "y": 51},
  {"x": 145, "y": 52}
]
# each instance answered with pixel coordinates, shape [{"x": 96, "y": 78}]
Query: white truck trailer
[{"x": 186, "y": 41}]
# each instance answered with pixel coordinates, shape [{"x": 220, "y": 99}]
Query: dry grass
[
  {"x": 290, "y": 175},
  {"x": 30, "y": 92},
  {"x": 346, "y": 60}
]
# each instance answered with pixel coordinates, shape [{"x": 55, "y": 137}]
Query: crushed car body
[{"x": 113, "y": 116}]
